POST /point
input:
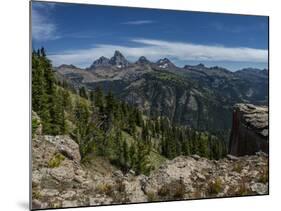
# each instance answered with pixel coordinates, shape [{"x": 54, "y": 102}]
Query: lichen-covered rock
[
  {"x": 249, "y": 132},
  {"x": 36, "y": 124},
  {"x": 62, "y": 181},
  {"x": 54, "y": 172},
  {"x": 187, "y": 178}
]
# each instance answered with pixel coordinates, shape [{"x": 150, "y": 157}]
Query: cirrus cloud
[
  {"x": 42, "y": 27},
  {"x": 138, "y": 22},
  {"x": 181, "y": 52}
]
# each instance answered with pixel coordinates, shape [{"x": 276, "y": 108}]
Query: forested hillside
[
  {"x": 195, "y": 96},
  {"x": 104, "y": 126}
]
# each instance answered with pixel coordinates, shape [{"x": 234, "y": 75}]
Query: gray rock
[
  {"x": 196, "y": 157},
  {"x": 65, "y": 145},
  {"x": 66, "y": 203},
  {"x": 259, "y": 188},
  {"x": 232, "y": 157},
  {"x": 118, "y": 173},
  {"x": 74, "y": 184},
  {"x": 260, "y": 153},
  {"x": 78, "y": 179},
  {"x": 36, "y": 204},
  {"x": 201, "y": 176},
  {"x": 68, "y": 194},
  {"x": 36, "y": 178},
  {"x": 49, "y": 192},
  {"x": 132, "y": 172},
  {"x": 63, "y": 173},
  {"x": 99, "y": 201},
  {"x": 249, "y": 133}
]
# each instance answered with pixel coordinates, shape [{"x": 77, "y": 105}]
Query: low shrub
[
  {"x": 105, "y": 188},
  {"x": 238, "y": 168},
  {"x": 215, "y": 187},
  {"x": 151, "y": 196},
  {"x": 56, "y": 160}
]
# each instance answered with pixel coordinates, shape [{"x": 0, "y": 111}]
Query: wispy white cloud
[
  {"x": 138, "y": 22},
  {"x": 219, "y": 26},
  {"x": 155, "y": 49},
  {"x": 42, "y": 27}
]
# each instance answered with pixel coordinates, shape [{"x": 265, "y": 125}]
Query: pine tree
[
  {"x": 132, "y": 155},
  {"x": 131, "y": 124},
  {"x": 142, "y": 162},
  {"x": 145, "y": 134},
  {"x": 92, "y": 96},
  {"x": 82, "y": 115},
  {"x": 157, "y": 127},
  {"x": 138, "y": 117},
  {"x": 99, "y": 99},
  {"x": 125, "y": 156},
  {"x": 109, "y": 103},
  {"x": 83, "y": 92}
]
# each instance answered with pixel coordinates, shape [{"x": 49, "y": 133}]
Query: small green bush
[
  {"x": 151, "y": 196},
  {"x": 56, "y": 160},
  {"x": 36, "y": 194},
  {"x": 238, "y": 168},
  {"x": 215, "y": 187}
]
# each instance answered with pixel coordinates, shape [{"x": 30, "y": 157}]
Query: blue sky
[{"x": 78, "y": 34}]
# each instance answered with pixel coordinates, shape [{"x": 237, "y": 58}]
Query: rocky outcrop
[
  {"x": 165, "y": 64},
  {"x": 60, "y": 180},
  {"x": 195, "y": 177},
  {"x": 142, "y": 61},
  {"x": 119, "y": 60},
  {"x": 102, "y": 61},
  {"x": 249, "y": 132}
]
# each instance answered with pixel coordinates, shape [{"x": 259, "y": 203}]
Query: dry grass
[
  {"x": 263, "y": 178},
  {"x": 172, "y": 190},
  {"x": 104, "y": 188},
  {"x": 36, "y": 194},
  {"x": 242, "y": 190}
]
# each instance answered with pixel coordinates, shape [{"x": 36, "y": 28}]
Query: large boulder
[
  {"x": 56, "y": 172},
  {"x": 249, "y": 132}
]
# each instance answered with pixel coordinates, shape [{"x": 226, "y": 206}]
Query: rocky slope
[
  {"x": 60, "y": 180},
  {"x": 249, "y": 132}
]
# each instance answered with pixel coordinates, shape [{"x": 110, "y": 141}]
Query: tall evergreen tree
[
  {"x": 83, "y": 92},
  {"x": 99, "y": 99}
]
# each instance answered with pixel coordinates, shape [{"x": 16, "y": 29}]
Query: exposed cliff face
[
  {"x": 60, "y": 180},
  {"x": 249, "y": 130}
]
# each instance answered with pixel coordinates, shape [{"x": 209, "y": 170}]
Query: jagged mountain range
[{"x": 194, "y": 95}]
